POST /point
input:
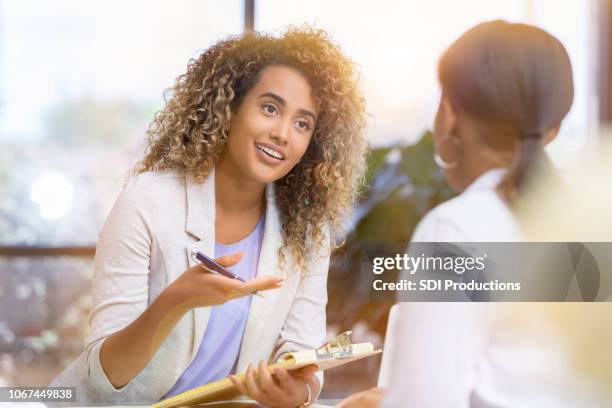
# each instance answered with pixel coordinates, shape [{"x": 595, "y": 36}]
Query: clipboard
[{"x": 337, "y": 352}]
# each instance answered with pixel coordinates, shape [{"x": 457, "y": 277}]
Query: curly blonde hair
[{"x": 191, "y": 131}]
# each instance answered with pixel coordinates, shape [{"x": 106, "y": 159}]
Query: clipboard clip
[{"x": 338, "y": 347}]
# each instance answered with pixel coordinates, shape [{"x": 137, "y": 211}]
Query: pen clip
[{"x": 194, "y": 253}]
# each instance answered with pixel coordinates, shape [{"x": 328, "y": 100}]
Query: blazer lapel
[
  {"x": 200, "y": 198},
  {"x": 262, "y": 307},
  {"x": 201, "y": 208}
]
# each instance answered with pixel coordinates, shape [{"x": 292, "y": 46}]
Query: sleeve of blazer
[
  {"x": 305, "y": 325},
  {"x": 120, "y": 281}
]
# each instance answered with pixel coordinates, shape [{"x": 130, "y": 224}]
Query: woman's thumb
[{"x": 229, "y": 260}]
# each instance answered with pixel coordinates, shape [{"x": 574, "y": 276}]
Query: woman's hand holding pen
[
  {"x": 197, "y": 287},
  {"x": 123, "y": 354}
]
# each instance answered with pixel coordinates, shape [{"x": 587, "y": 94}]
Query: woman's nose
[{"x": 280, "y": 134}]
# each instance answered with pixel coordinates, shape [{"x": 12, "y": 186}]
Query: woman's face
[{"x": 271, "y": 129}]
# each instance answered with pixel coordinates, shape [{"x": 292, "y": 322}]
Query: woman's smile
[{"x": 270, "y": 154}]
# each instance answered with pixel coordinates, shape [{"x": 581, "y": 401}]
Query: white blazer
[{"x": 144, "y": 245}]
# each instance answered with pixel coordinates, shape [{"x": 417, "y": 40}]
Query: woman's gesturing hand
[
  {"x": 286, "y": 389},
  {"x": 197, "y": 287}
]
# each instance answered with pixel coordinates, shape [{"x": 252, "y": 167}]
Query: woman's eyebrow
[
  {"x": 282, "y": 102},
  {"x": 273, "y": 96}
]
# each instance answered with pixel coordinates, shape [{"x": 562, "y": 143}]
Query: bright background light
[
  {"x": 398, "y": 43},
  {"x": 54, "y": 194},
  {"x": 79, "y": 84},
  {"x": 80, "y": 99}
]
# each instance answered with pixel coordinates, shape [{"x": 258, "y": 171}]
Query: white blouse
[
  {"x": 476, "y": 215},
  {"x": 479, "y": 354}
]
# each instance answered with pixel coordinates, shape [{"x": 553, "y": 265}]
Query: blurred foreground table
[{"x": 324, "y": 403}]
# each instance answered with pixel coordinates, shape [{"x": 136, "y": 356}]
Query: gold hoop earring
[{"x": 443, "y": 164}]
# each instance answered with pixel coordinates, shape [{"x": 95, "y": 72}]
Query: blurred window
[
  {"x": 79, "y": 84},
  {"x": 398, "y": 43}
]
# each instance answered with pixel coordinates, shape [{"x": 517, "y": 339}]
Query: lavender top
[{"x": 218, "y": 353}]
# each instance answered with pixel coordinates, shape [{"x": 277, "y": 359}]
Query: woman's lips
[{"x": 268, "y": 156}]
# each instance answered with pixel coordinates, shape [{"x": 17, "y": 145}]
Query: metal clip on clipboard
[{"x": 338, "y": 347}]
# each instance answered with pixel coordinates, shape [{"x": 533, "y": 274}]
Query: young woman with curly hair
[{"x": 255, "y": 160}]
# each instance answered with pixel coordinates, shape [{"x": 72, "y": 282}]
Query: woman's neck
[
  {"x": 239, "y": 204},
  {"x": 235, "y": 194}
]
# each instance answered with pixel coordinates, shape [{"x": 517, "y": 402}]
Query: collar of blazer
[{"x": 201, "y": 224}]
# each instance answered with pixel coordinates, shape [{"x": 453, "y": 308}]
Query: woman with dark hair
[
  {"x": 506, "y": 88},
  {"x": 254, "y": 160}
]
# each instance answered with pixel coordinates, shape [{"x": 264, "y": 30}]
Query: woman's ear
[
  {"x": 551, "y": 134},
  {"x": 446, "y": 119}
]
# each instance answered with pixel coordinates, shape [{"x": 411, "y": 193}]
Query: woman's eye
[
  {"x": 303, "y": 125},
  {"x": 269, "y": 109}
]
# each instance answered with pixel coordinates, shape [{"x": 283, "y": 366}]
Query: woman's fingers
[
  {"x": 238, "y": 384},
  {"x": 304, "y": 373},
  {"x": 251, "y": 384},
  {"x": 352, "y": 401},
  {"x": 286, "y": 382},
  {"x": 371, "y": 398},
  {"x": 209, "y": 289},
  {"x": 263, "y": 387},
  {"x": 228, "y": 289},
  {"x": 263, "y": 283},
  {"x": 229, "y": 260},
  {"x": 235, "y": 288},
  {"x": 267, "y": 382}
]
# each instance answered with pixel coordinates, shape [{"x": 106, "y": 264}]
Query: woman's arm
[
  {"x": 125, "y": 353},
  {"x": 125, "y": 332},
  {"x": 120, "y": 286}
]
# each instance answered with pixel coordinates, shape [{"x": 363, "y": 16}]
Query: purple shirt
[{"x": 218, "y": 353}]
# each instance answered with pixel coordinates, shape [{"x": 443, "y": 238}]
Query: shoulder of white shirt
[{"x": 476, "y": 215}]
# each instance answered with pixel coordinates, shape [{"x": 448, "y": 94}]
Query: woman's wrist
[
  {"x": 308, "y": 399},
  {"x": 175, "y": 299}
]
